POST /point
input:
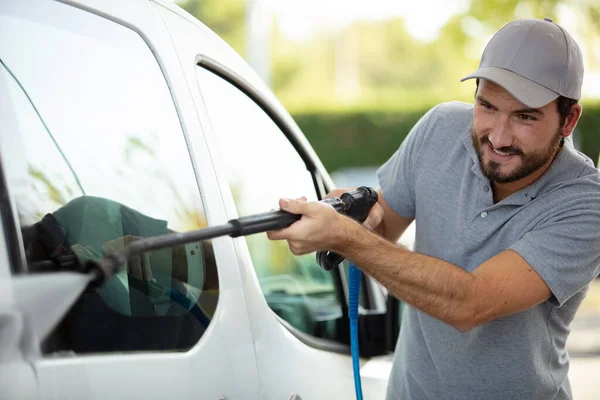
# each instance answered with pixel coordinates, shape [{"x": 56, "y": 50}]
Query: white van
[{"x": 129, "y": 119}]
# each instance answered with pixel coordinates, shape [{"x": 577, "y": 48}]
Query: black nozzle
[{"x": 358, "y": 204}]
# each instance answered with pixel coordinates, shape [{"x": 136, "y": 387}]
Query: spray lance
[{"x": 355, "y": 204}]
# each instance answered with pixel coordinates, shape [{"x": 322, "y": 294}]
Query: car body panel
[{"x": 247, "y": 351}]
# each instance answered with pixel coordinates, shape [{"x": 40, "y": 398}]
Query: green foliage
[
  {"x": 393, "y": 67},
  {"x": 496, "y": 13},
  {"x": 354, "y": 137},
  {"x": 399, "y": 77},
  {"x": 588, "y": 130},
  {"x": 225, "y": 17},
  {"x": 507, "y": 10},
  {"x": 392, "y": 63},
  {"x": 349, "y": 138}
]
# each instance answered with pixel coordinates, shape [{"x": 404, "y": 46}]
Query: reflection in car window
[
  {"x": 262, "y": 166},
  {"x": 107, "y": 164}
]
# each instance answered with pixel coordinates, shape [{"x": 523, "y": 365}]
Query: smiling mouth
[{"x": 501, "y": 152}]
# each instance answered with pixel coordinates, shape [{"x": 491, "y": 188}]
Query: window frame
[
  {"x": 321, "y": 189},
  {"x": 8, "y": 219},
  {"x": 8, "y": 213},
  {"x": 241, "y": 84},
  {"x": 9, "y": 216},
  {"x": 218, "y": 349}
]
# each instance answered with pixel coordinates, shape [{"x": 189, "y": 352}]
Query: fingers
[
  {"x": 375, "y": 215},
  {"x": 374, "y": 218},
  {"x": 146, "y": 270},
  {"x": 276, "y": 235},
  {"x": 295, "y": 206},
  {"x": 84, "y": 253},
  {"x": 338, "y": 192},
  {"x": 134, "y": 268},
  {"x": 303, "y": 198},
  {"x": 137, "y": 266}
]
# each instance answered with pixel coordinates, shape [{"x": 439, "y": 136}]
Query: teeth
[{"x": 501, "y": 153}]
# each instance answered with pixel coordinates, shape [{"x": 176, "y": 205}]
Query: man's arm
[
  {"x": 503, "y": 285},
  {"x": 382, "y": 218},
  {"x": 392, "y": 225}
]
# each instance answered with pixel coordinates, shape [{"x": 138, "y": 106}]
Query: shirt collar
[{"x": 566, "y": 165}]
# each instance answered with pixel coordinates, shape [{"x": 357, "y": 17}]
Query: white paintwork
[
  {"x": 246, "y": 353},
  {"x": 17, "y": 375},
  {"x": 285, "y": 364},
  {"x": 43, "y": 300}
]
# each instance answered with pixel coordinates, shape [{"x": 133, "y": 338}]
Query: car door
[
  {"x": 298, "y": 311},
  {"x": 287, "y": 293},
  {"x": 99, "y": 156}
]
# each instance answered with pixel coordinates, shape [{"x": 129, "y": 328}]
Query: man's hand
[
  {"x": 83, "y": 253},
  {"x": 138, "y": 266},
  {"x": 375, "y": 216},
  {"x": 320, "y": 228}
]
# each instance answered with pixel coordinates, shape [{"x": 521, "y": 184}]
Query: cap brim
[{"x": 527, "y": 92}]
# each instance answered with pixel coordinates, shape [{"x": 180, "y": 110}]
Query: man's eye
[
  {"x": 485, "y": 105},
  {"x": 527, "y": 117}
]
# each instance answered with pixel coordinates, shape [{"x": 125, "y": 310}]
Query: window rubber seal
[{"x": 9, "y": 226}]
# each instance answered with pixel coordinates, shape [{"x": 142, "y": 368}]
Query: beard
[{"x": 530, "y": 162}]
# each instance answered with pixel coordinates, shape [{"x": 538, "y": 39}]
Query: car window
[
  {"x": 106, "y": 164},
  {"x": 262, "y": 166}
]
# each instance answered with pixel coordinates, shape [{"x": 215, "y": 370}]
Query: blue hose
[
  {"x": 354, "y": 275},
  {"x": 183, "y": 301}
]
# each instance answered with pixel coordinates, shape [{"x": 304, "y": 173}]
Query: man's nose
[{"x": 501, "y": 135}]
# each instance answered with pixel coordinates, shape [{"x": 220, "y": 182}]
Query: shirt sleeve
[
  {"x": 396, "y": 176},
  {"x": 565, "y": 249}
]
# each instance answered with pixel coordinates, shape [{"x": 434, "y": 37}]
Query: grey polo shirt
[{"x": 554, "y": 224}]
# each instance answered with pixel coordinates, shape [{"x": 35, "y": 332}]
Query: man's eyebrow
[
  {"x": 529, "y": 111},
  {"x": 481, "y": 99},
  {"x": 522, "y": 111}
]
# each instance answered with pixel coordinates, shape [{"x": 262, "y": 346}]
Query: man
[{"x": 507, "y": 228}]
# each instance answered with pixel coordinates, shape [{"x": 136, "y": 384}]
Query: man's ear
[{"x": 571, "y": 120}]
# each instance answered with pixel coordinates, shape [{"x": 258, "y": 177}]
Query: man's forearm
[{"x": 434, "y": 286}]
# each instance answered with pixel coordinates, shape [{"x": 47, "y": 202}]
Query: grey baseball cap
[{"x": 534, "y": 60}]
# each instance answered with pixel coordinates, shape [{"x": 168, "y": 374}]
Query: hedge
[{"x": 354, "y": 138}]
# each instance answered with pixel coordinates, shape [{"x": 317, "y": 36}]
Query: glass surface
[
  {"x": 262, "y": 166},
  {"x": 107, "y": 164}
]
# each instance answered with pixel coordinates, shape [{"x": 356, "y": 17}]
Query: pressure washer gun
[{"x": 355, "y": 204}]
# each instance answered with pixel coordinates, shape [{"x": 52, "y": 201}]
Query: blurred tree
[
  {"x": 303, "y": 71},
  {"x": 398, "y": 71},
  {"x": 497, "y": 12},
  {"x": 225, "y": 18},
  {"x": 393, "y": 69},
  {"x": 287, "y": 65}
]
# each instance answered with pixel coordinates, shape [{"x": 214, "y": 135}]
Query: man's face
[{"x": 512, "y": 140}]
